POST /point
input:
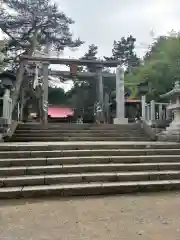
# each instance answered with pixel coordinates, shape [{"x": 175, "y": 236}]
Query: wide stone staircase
[
  {"x": 74, "y": 168},
  {"x": 78, "y": 132}
]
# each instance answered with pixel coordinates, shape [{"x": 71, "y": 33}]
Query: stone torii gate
[{"x": 46, "y": 61}]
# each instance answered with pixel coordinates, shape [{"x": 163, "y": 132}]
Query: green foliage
[
  {"x": 35, "y": 23},
  {"x": 57, "y": 96},
  {"x": 160, "y": 68},
  {"x": 91, "y": 53},
  {"x": 124, "y": 51},
  {"x": 91, "y": 84},
  {"x": 2, "y": 55},
  {"x": 83, "y": 95},
  {"x": 109, "y": 83}
]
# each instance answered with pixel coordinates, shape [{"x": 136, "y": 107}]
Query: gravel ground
[{"x": 129, "y": 217}]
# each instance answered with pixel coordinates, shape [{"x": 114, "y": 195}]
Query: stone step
[
  {"x": 80, "y": 127},
  {"x": 52, "y": 146},
  {"x": 88, "y": 177},
  {"x": 82, "y": 168},
  {"x": 78, "y": 131},
  {"x": 87, "y": 152},
  {"x": 78, "y": 135},
  {"x": 61, "y": 138},
  {"x": 85, "y": 189},
  {"x": 76, "y": 126},
  {"x": 14, "y": 162}
]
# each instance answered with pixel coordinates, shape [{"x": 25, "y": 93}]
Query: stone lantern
[
  {"x": 7, "y": 81},
  {"x": 172, "y": 132}
]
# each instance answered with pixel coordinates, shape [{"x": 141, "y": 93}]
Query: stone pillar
[
  {"x": 153, "y": 111},
  {"x": 45, "y": 93},
  {"x": 120, "y": 108},
  {"x": 160, "y": 112},
  {"x": 168, "y": 114},
  {"x": 7, "y": 107},
  {"x": 143, "y": 108},
  {"x": 106, "y": 107},
  {"x": 148, "y": 115},
  {"x": 100, "y": 90}
]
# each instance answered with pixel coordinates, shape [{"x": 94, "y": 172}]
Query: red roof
[
  {"x": 60, "y": 111},
  {"x": 132, "y": 100}
]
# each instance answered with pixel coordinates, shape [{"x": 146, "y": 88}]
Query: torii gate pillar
[{"x": 100, "y": 87}]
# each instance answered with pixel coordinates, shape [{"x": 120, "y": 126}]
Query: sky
[{"x": 100, "y": 22}]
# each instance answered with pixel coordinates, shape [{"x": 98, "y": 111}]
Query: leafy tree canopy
[
  {"x": 160, "y": 68},
  {"x": 2, "y": 55},
  {"x": 33, "y": 24},
  {"x": 83, "y": 95},
  {"x": 124, "y": 51},
  {"x": 57, "y": 96}
]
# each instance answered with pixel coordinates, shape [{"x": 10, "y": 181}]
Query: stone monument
[
  {"x": 172, "y": 132},
  {"x": 120, "y": 108}
]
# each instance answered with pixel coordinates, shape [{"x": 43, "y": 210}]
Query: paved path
[{"x": 101, "y": 218}]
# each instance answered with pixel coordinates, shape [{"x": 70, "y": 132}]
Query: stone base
[
  {"x": 163, "y": 137},
  {"x": 120, "y": 121},
  {"x": 170, "y": 134},
  {"x": 1, "y": 137}
]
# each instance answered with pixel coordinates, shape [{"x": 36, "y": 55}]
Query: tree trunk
[{"x": 20, "y": 72}]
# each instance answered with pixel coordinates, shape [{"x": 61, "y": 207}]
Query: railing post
[
  {"x": 148, "y": 112},
  {"x": 160, "y": 111}
]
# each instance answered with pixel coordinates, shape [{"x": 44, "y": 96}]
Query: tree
[
  {"x": 109, "y": 83},
  {"x": 160, "y": 68},
  {"x": 83, "y": 94},
  {"x": 34, "y": 24},
  {"x": 2, "y": 55},
  {"x": 57, "y": 96},
  {"x": 91, "y": 55},
  {"x": 91, "y": 85},
  {"x": 124, "y": 51}
]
